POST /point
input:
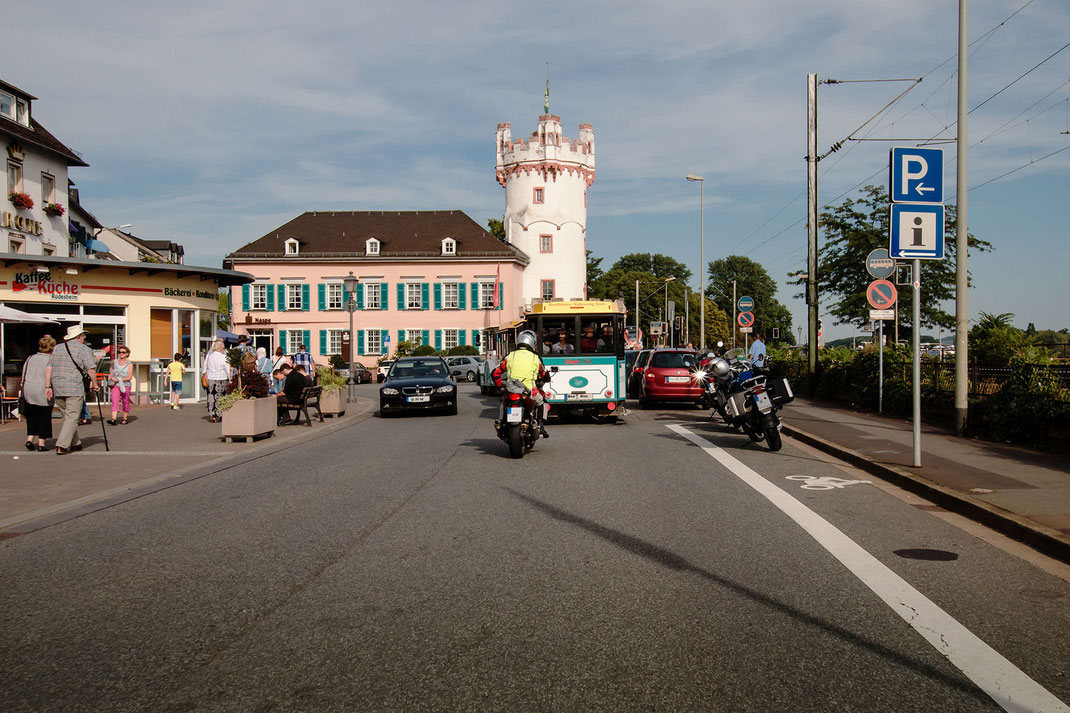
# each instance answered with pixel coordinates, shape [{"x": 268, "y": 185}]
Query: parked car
[
  {"x": 384, "y": 367},
  {"x": 635, "y": 372},
  {"x": 669, "y": 377},
  {"x": 362, "y": 374},
  {"x": 465, "y": 367},
  {"x": 418, "y": 384}
]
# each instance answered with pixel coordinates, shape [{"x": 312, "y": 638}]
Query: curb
[
  {"x": 28, "y": 522},
  {"x": 1040, "y": 537}
]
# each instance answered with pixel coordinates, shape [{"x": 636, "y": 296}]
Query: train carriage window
[{"x": 558, "y": 335}]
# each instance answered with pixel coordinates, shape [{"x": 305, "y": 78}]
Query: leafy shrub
[
  {"x": 424, "y": 350},
  {"x": 330, "y": 379},
  {"x": 337, "y": 361},
  {"x": 1027, "y": 405},
  {"x": 463, "y": 350}
]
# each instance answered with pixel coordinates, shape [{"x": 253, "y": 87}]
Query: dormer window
[
  {"x": 14, "y": 108},
  {"x": 293, "y": 247},
  {"x": 449, "y": 246},
  {"x": 371, "y": 246}
]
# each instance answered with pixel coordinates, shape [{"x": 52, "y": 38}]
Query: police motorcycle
[
  {"x": 712, "y": 375},
  {"x": 750, "y": 397},
  {"x": 519, "y": 423}
]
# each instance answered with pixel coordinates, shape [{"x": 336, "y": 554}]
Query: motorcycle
[
  {"x": 748, "y": 398},
  {"x": 518, "y": 424}
]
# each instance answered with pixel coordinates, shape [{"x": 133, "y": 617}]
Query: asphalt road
[{"x": 407, "y": 564}]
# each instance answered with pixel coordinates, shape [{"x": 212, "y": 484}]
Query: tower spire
[{"x": 546, "y": 101}]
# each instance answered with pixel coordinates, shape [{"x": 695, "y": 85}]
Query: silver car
[{"x": 465, "y": 367}]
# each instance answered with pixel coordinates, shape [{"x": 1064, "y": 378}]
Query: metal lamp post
[
  {"x": 668, "y": 341},
  {"x": 349, "y": 284},
  {"x": 701, "y": 259}
]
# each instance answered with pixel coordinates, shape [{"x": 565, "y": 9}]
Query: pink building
[{"x": 424, "y": 275}]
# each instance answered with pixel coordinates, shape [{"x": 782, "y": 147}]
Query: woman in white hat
[{"x": 69, "y": 372}]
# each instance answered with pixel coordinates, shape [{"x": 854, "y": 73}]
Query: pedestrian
[
  {"x": 302, "y": 358},
  {"x": 215, "y": 377},
  {"x": 37, "y": 409},
  {"x": 243, "y": 344},
  {"x": 121, "y": 382},
  {"x": 280, "y": 360},
  {"x": 176, "y": 369},
  {"x": 757, "y": 351},
  {"x": 68, "y": 381},
  {"x": 263, "y": 364}
]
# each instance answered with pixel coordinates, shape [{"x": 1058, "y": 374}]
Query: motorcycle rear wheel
[
  {"x": 772, "y": 433},
  {"x": 515, "y": 441}
]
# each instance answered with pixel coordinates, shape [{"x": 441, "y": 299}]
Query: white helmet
[
  {"x": 720, "y": 367},
  {"x": 527, "y": 339}
]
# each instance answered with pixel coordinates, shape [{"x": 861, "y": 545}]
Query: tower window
[
  {"x": 547, "y": 290},
  {"x": 546, "y": 243},
  {"x": 537, "y": 195}
]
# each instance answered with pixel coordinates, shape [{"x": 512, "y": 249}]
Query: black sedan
[{"x": 418, "y": 384}]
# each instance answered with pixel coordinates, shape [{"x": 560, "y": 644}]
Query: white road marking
[
  {"x": 1008, "y": 686},
  {"x": 812, "y": 482}
]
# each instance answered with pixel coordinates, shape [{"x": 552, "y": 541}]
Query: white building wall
[
  {"x": 53, "y": 229},
  {"x": 562, "y": 169}
]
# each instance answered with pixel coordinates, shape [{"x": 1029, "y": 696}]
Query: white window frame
[
  {"x": 449, "y": 246},
  {"x": 294, "y": 338},
  {"x": 371, "y": 246},
  {"x": 14, "y": 169},
  {"x": 258, "y": 297},
  {"x": 414, "y": 295},
  {"x": 22, "y": 111},
  {"x": 334, "y": 298},
  {"x": 16, "y": 245},
  {"x": 542, "y": 289},
  {"x": 372, "y": 295},
  {"x": 48, "y": 188},
  {"x": 486, "y": 295},
  {"x": 294, "y": 301},
  {"x": 543, "y": 240},
  {"x": 10, "y": 113},
  {"x": 451, "y": 301},
  {"x": 334, "y": 341},
  {"x": 293, "y": 247},
  {"x": 373, "y": 341},
  {"x": 450, "y": 338}
]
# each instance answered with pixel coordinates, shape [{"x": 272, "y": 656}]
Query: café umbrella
[{"x": 12, "y": 315}]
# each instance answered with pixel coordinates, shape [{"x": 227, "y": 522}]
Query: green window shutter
[
  {"x": 360, "y": 296},
  {"x": 305, "y": 306},
  {"x": 270, "y": 298},
  {"x": 460, "y": 337},
  {"x": 321, "y": 295},
  {"x": 383, "y": 336},
  {"x": 425, "y": 337},
  {"x": 282, "y": 341},
  {"x": 401, "y": 336},
  {"x": 383, "y": 304},
  {"x": 475, "y": 336},
  {"x": 438, "y": 296},
  {"x": 360, "y": 341},
  {"x": 282, "y": 298},
  {"x": 501, "y": 295},
  {"x": 245, "y": 298},
  {"x": 425, "y": 296},
  {"x": 323, "y": 341},
  {"x": 401, "y": 295},
  {"x": 475, "y": 295},
  {"x": 461, "y": 289},
  {"x": 438, "y": 340},
  {"x": 306, "y": 338}
]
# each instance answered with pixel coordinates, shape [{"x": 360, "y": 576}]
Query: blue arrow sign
[
  {"x": 917, "y": 175},
  {"x": 917, "y": 231}
]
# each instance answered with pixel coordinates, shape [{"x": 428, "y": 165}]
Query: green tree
[
  {"x": 994, "y": 340},
  {"x": 594, "y": 269},
  {"x": 496, "y": 227},
  {"x": 753, "y": 281},
  {"x": 855, "y": 228},
  {"x": 661, "y": 266},
  {"x": 222, "y": 318}
]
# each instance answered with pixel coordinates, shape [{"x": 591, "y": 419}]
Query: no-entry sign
[{"x": 881, "y": 294}]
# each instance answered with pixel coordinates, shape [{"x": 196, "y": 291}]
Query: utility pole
[
  {"x": 733, "y": 314},
  {"x": 811, "y": 227},
  {"x": 962, "y": 247}
]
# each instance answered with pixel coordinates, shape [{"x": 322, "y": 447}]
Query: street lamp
[
  {"x": 668, "y": 343},
  {"x": 667, "y": 280},
  {"x": 349, "y": 284},
  {"x": 701, "y": 259}
]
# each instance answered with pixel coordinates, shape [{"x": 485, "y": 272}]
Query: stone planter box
[
  {"x": 250, "y": 418},
  {"x": 333, "y": 403}
]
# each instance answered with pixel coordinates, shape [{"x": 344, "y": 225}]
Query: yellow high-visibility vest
[{"x": 523, "y": 366}]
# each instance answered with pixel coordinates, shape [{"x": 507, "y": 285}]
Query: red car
[{"x": 669, "y": 377}]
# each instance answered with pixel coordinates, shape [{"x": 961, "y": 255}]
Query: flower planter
[
  {"x": 53, "y": 209},
  {"x": 250, "y": 418},
  {"x": 333, "y": 403},
  {"x": 20, "y": 200}
]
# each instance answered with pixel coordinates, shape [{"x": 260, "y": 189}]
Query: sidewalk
[
  {"x": 1023, "y": 494},
  {"x": 158, "y": 448}
]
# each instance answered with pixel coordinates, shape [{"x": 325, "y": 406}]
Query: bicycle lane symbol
[{"x": 811, "y": 482}]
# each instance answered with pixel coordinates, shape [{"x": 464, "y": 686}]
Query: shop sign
[
  {"x": 201, "y": 294},
  {"x": 25, "y": 225},
  {"x": 43, "y": 284}
]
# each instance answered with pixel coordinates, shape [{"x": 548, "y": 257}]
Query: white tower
[{"x": 546, "y": 180}]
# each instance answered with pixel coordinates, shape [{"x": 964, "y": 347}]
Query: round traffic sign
[
  {"x": 745, "y": 319},
  {"x": 745, "y": 304},
  {"x": 881, "y": 294},
  {"x": 880, "y": 264}
]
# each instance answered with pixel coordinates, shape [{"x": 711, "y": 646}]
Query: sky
[{"x": 212, "y": 123}]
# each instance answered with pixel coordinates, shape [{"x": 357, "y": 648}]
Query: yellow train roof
[{"x": 573, "y": 306}]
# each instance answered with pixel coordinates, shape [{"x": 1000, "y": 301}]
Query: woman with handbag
[
  {"x": 214, "y": 378},
  {"x": 34, "y": 406},
  {"x": 121, "y": 383}
]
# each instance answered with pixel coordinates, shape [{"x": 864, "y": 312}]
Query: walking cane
[{"x": 100, "y": 413}]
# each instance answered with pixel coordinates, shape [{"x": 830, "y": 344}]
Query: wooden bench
[{"x": 310, "y": 398}]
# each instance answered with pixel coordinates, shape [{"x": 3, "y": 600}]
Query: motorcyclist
[{"x": 524, "y": 365}]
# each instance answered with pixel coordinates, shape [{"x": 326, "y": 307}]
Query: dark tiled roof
[
  {"x": 400, "y": 234},
  {"x": 38, "y": 136}
]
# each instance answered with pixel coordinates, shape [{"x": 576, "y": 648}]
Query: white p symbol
[{"x": 909, "y": 175}]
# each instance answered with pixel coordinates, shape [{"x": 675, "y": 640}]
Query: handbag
[{"x": 204, "y": 380}]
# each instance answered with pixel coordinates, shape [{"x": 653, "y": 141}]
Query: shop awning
[{"x": 10, "y": 314}]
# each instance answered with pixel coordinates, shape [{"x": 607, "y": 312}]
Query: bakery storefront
[{"x": 157, "y": 310}]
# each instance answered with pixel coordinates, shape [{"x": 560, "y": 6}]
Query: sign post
[{"x": 881, "y": 295}]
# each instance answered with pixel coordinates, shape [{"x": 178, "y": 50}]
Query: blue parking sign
[{"x": 917, "y": 175}]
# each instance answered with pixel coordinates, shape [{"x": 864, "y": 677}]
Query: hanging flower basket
[
  {"x": 54, "y": 209},
  {"x": 20, "y": 200}
]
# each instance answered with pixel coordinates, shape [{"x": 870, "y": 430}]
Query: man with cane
[{"x": 68, "y": 380}]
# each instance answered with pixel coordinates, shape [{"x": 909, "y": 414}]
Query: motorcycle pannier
[
  {"x": 779, "y": 390},
  {"x": 737, "y": 404}
]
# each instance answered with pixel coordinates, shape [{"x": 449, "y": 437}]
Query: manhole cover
[{"x": 930, "y": 555}]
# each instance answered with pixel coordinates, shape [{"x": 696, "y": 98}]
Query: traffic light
[{"x": 678, "y": 323}]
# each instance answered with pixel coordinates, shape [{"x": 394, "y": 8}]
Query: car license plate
[
  {"x": 763, "y": 402},
  {"x": 418, "y": 399},
  {"x": 677, "y": 379},
  {"x": 514, "y": 414},
  {"x": 579, "y": 396}
]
